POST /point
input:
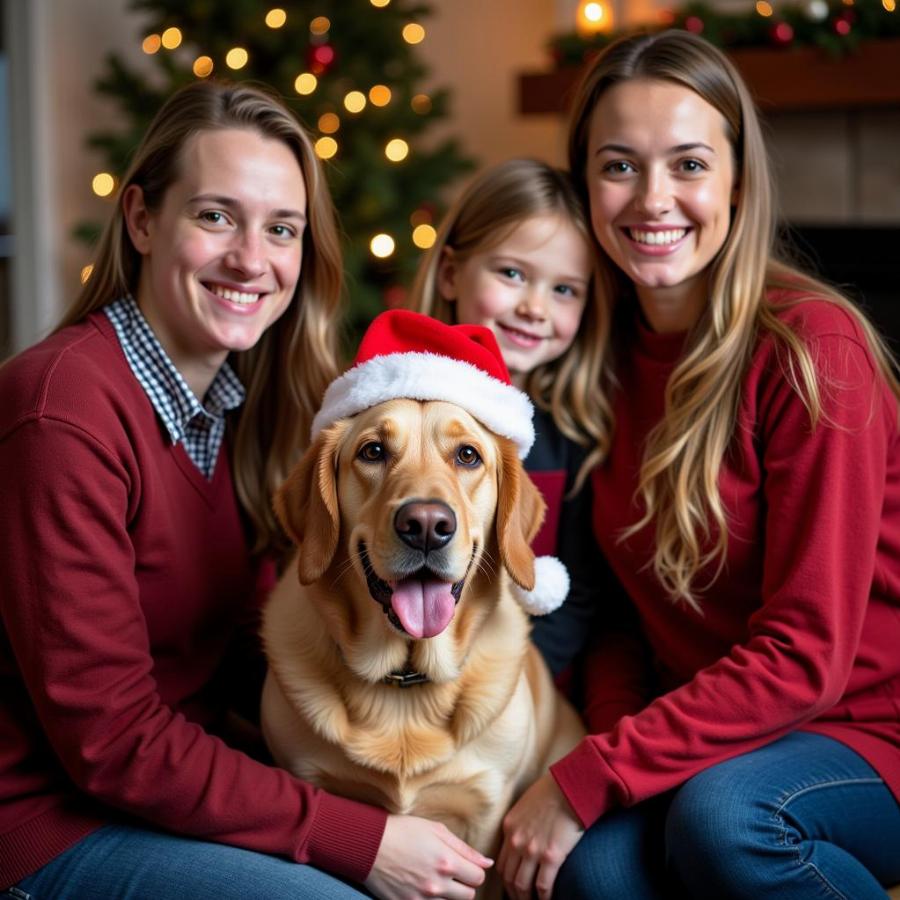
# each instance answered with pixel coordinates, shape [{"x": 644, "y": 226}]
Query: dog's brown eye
[
  {"x": 372, "y": 452},
  {"x": 467, "y": 456}
]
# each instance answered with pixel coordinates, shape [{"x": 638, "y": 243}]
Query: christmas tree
[{"x": 349, "y": 69}]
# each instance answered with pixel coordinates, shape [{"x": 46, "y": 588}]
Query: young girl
[
  {"x": 514, "y": 254},
  {"x": 136, "y": 466},
  {"x": 748, "y": 498}
]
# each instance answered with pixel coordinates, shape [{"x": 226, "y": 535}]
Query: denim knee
[
  {"x": 804, "y": 816},
  {"x": 618, "y": 858},
  {"x": 714, "y": 830}
]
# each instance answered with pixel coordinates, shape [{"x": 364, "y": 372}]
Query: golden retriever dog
[{"x": 400, "y": 669}]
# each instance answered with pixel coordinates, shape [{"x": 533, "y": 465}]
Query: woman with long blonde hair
[
  {"x": 139, "y": 445},
  {"x": 745, "y": 737}
]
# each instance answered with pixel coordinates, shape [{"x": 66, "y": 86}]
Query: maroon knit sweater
[
  {"x": 123, "y": 575},
  {"x": 801, "y": 629}
]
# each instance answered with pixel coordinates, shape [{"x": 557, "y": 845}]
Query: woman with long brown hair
[
  {"x": 139, "y": 446},
  {"x": 745, "y": 735}
]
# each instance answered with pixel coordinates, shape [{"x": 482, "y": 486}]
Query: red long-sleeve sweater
[
  {"x": 801, "y": 630},
  {"x": 123, "y": 573}
]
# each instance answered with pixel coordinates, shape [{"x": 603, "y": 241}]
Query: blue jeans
[
  {"x": 804, "y": 817},
  {"x": 124, "y": 863}
]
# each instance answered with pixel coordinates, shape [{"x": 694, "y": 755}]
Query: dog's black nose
[{"x": 425, "y": 524}]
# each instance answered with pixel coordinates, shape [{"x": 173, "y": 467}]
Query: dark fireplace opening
[{"x": 863, "y": 262}]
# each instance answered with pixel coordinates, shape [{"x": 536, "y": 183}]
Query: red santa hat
[{"x": 407, "y": 355}]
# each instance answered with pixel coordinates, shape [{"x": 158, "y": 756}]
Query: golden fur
[{"x": 460, "y": 748}]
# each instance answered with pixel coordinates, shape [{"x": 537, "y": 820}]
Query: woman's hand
[
  {"x": 419, "y": 858},
  {"x": 539, "y": 833}
]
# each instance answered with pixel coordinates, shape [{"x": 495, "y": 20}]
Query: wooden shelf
[{"x": 782, "y": 80}]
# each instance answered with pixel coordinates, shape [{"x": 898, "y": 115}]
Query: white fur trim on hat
[
  {"x": 502, "y": 408},
  {"x": 551, "y": 587}
]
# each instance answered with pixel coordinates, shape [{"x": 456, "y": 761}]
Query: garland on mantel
[{"x": 836, "y": 27}]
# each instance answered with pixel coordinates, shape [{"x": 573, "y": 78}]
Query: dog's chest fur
[{"x": 456, "y": 752}]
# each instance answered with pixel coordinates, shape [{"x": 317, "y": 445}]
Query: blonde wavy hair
[
  {"x": 678, "y": 481},
  {"x": 491, "y": 207},
  {"x": 287, "y": 371}
]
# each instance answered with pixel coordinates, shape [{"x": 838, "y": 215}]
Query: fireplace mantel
[{"x": 782, "y": 80}]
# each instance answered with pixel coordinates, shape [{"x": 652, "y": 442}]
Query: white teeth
[
  {"x": 657, "y": 237},
  {"x": 234, "y": 296}
]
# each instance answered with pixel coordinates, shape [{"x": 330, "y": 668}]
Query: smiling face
[
  {"x": 661, "y": 179},
  {"x": 221, "y": 257},
  {"x": 530, "y": 290}
]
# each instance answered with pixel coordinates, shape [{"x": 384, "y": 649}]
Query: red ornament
[
  {"x": 781, "y": 33},
  {"x": 841, "y": 27},
  {"x": 694, "y": 24},
  {"x": 320, "y": 58}
]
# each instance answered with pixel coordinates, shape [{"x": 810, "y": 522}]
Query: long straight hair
[
  {"x": 287, "y": 371},
  {"x": 678, "y": 481},
  {"x": 491, "y": 207}
]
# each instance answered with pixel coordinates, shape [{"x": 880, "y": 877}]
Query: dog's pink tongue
[{"x": 425, "y": 608}]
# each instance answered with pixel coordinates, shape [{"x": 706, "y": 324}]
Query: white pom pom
[{"x": 551, "y": 587}]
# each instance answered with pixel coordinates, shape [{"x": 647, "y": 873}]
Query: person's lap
[
  {"x": 128, "y": 863},
  {"x": 800, "y": 818}
]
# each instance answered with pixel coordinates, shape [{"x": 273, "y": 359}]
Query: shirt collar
[{"x": 175, "y": 403}]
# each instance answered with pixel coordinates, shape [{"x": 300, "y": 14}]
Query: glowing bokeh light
[
  {"x": 424, "y": 236},
  {"x": 355, "y": 101},
  {"x": 593, "y": 17},
  {"x": 305, "y": 83},
  {"x": 396, "y": 150},
  {"x": 171, "y": 38},
  {"x": 103, "y": 184},
  {"x": 326, "y": 147},
  {"x": 382, "y": 245},
  {"x": 151, "y": 44},
  {"x": 413, "y": 33},
  {"x": 329, "y": 123},
  {"x": 380, "y": 95},
  {"x": 236, "y": 58},
  {"x": 203, "y": 66}
]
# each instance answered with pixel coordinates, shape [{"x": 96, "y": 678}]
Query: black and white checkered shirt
[{"x": 199, "y": 426}]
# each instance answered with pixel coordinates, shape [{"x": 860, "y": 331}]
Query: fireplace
[{"x": 864, "y": 262}]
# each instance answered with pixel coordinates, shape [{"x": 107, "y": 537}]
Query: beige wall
[{"x": 478, "y": 47}]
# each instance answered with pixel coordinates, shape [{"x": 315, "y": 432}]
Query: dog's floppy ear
[
  {"x": 307, "y": 505},
  {"x": 520, "y": 511}
]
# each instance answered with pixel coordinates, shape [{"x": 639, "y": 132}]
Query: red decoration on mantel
[
  {"x": 694, "y": 24},
  {"x": 782, "y": 34},
  {"x": 843, "y": 22}
]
